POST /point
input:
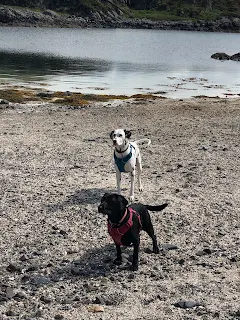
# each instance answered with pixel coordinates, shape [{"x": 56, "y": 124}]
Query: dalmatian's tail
[{"x": 140, "y": 141}]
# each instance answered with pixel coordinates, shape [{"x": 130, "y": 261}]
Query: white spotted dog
[{"x": 127, "y": 158}]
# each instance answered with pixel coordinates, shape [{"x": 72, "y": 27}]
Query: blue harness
[{"x": 120, "y": 162}]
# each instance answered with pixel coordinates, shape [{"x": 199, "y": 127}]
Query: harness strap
[
  {"x": 120, "y": 162},
  {"x": 117, "y": 232}
]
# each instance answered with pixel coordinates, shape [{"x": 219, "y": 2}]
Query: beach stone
[
  {"x": 186, "y": 304},
  {"x": 3, "y": 297},
  {"x": 96, "y": 309},
  {"x": 59, "y": 317},
  {"x": 13, "y": 268},
  {"x": 23, "y": 258},
  {"x": 40, "y": 280},
  {"x": 20, "y": 295},
  {"x": 10, "y": 292},
  {"x": 99, "y": 300},
  {"x": 204, "y": 252},
  {"x": 168, "y": 246},
  {"x": 45, "y": 94},
  {"x": 46, "y": 299},
  {"x": 11, "y": 313},
  {"x": 3, "y": 101}
]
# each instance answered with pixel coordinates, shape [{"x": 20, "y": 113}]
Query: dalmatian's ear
[
  {"x": 127, "y": 133},
  {"x": 111, "y": 134}
]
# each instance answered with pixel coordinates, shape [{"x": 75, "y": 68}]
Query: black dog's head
[{"x": 114, "y": 206}]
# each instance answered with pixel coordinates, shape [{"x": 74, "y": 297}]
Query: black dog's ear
[
  {"x": 105, "y": 196},
  {"x": 111, "y": 134},
  {"x": 128, "y": 133}
]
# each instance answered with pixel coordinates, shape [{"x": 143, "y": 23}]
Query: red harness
[{"x": 118, "y": 232}]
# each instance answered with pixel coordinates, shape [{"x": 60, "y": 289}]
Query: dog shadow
[
  {"x": 94, "y": 263},
  {"x": 81, "y": 197}
]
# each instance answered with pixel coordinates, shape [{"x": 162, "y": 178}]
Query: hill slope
[{"x": 152, "y": 9}]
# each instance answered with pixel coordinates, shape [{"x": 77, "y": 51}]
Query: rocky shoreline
[{"x": 111, "y": 19}]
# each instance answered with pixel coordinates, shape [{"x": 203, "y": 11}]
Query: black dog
[{"x": 125, "y": 222}]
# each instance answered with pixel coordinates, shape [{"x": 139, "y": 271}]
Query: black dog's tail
[{"x": 156, "y": 208}]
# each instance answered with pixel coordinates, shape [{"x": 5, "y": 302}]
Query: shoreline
[
  {"x": 27, "y": 18},
  {"x": 14, "y": 94}
]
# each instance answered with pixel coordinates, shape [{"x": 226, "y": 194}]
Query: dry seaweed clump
[
  {"x": 17, "y": 95},
  {"x": 22, "y": 95},
  {"x": 76, "y": 99}
]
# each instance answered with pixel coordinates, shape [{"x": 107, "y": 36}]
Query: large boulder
[
  {"x": 225, "y": 23},
  {"x": 6, "y": 15},
  {"x": 235, "y": 57},
  {"x": 220, "y": 56},
  {"x": 236, "y": 22}
]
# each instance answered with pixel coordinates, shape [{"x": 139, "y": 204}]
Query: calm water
[{"x": 119, "y": 61}]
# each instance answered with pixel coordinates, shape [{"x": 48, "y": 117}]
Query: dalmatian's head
[{"x": 119, "y": 137}]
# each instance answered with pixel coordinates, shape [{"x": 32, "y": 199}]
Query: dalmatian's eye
[{"x": 120, "y": 135}]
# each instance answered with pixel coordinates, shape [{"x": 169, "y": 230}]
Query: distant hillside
[{"x": 151, "y": 9}]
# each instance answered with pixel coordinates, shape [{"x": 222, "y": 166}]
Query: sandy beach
[{"x": 56, "y": 255}]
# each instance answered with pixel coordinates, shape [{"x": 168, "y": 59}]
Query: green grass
[
  {"x": 186, "y": 14},
  {"x": 153, "y": 15}
]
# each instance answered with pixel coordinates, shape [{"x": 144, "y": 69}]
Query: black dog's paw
[
  {"x": 117, "y": 261},
  {"x": 156, "y": 250},
  {"x": 134, "y": 267}
]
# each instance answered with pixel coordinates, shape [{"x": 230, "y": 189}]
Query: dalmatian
[{"x": 127, "y": 158}]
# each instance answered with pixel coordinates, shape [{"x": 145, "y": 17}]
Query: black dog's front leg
[
  {"x": 135, "y": 256},
  {"x": 118, "y": 260}
]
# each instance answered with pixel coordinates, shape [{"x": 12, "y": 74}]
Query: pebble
[
  {"x": 3, "y": 101},
  {"x": 46, "y": 299},
  {"x": 186, "y": 304},
  {"x": 168, "y": 246},
  {"x": 10, "y": 292},
  {"x": 96, "y": 309},
  {"x": 13, "y": 268}
]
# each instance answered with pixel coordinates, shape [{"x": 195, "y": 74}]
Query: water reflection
[{"x": 18, "y": 64}]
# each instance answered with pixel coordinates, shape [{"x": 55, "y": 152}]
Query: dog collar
[{"x": 122, "y": 151}]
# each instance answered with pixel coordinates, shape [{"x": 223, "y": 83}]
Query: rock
[
  {"x": 6, "y": 15},
  {"x": 11, "y": 313},
  {"x": 236, "y": 23},
  {"x": 40, "y": 280},
  {"x": 168, "y": 246},
  {"x": 23, "y": 258},
  {"x": 50, "y": 13},
  {"x": 63, "y": 233},
  {"x": 46, "y": 299},
  {"x": 5, "y": 102},
  {"x": 13, "y": 268},
  {"x": 99, "y": 300},
  {"x": 95, "y": 309},
  {"x": 3, "y": 297},
  {"x": 10, "y": 292},
  {"x": 45, "y": 94},
  {"x": 59, "y": 317},
  {"x": 235, "y": 57},
  {"x": 220, "y": 56},
  {"x": 181, "y": 262},
  {"x": 186, "y": 304},
  {"x": 20, "y": 295},
  {"x": 204, "y": 252},
  {"x": 225, "y": 23}
]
